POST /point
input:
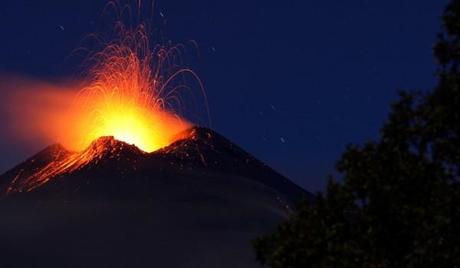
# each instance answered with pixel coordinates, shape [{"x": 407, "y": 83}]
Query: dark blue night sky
[{"x": 292, "y": 82}]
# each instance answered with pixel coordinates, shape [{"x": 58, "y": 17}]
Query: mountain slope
[{"x": 195, "y": 203}]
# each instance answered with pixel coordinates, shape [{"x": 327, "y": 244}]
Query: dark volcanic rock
[{"x": 195, "y": 203}]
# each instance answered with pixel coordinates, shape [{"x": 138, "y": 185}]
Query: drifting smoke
[{"x": 33, "y": 111}]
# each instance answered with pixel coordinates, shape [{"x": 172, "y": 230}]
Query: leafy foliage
[{"x": 399, "y": 203}]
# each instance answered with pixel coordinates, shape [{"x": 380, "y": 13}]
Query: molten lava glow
[
  {"x": 131, "y": 125},
  {"x": 129, "y": 118},
  {"x": 126, "y": 97},
  {"x": 147, "y": 128}
]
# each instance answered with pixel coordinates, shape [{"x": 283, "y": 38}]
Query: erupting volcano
[
  {"x": 132, "y": 183},
  {"x": 128, "y": 95}
]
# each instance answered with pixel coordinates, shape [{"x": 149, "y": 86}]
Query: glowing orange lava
[{"x": 125, "y": 98}]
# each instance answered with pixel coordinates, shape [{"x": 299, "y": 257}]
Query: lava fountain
[{"x": 127, "y": 96}]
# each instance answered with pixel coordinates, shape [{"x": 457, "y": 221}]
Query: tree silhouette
[{"x": 399, "y": 203}]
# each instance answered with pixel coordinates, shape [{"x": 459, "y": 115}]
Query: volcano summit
[{"x": 195, "y": 203}]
